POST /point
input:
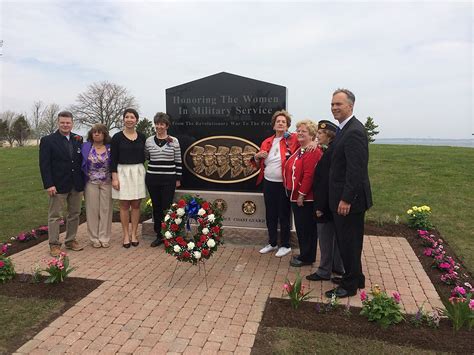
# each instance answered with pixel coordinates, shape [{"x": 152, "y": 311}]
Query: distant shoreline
[{"x": 467, "y": 143}]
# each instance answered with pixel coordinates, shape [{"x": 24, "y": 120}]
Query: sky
[{"x": 409, "y": 64}]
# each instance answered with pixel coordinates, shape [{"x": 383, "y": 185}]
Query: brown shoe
[
  {"x": 105, "y": 245},
  {"x": 55, "y": 250},
  {"x": 96, "y": 245},
  {"x": 74, "y": 245}
]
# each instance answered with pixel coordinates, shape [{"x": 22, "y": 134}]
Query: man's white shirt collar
[{"x": 343, "y": 123}]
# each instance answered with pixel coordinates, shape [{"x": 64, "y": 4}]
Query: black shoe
[
  {"x": 316, "y": 277},
  {"x": 299, "y": 263},
  {"x": 340, "y": 293},
  {"x": 336, "y": 280},
  {"x": 338, "y": 273},
  {"x": 126, "y": 245},
  {"x": 135, "y": 244},
  {"x": 157, "y": 242}
]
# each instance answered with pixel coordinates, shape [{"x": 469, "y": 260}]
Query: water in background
[{"x": 469, "y": 143}]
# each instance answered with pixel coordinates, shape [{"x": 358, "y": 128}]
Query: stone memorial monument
[{"x": 220, "y": 122}]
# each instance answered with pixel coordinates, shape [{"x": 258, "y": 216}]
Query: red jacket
[
  {"x": 291, "y": 142},
  {"x": 298, "y": 173}
]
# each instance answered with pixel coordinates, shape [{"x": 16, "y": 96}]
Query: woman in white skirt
[{"x": 128, "y": 174}]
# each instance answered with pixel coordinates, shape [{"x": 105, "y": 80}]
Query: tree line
[{"x": 102, "y": 102}]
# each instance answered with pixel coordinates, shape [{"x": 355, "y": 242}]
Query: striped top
[{"x": 164, "y": 166}]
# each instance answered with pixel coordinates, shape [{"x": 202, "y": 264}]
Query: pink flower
[
  {"x": 286, "y": 287},
  {"x": 363, "y": 296},
  {"x": 471, "y": 305},
  {"x": 21, "y": 236},
  {"x": 422, "y": 232},
  {"x": 2, "y": 263},
  {"x": 396, "y": 296},
  {"x": 459, "y": 290},
  {"x": 428, "y": 251},
  {"x": 444, "y": 265}
]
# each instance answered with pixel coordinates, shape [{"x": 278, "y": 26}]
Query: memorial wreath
[{"x": 177, "y": 224}]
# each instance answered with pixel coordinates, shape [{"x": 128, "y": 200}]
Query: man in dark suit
[
  {"x": 349, "y": 191},
  {"x": 60, "y": 165}
]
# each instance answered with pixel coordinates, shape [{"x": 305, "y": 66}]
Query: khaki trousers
[
  {"x": 99, "y": 212},
  {"x": 56, "y": 205}
]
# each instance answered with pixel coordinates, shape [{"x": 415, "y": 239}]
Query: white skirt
[{"x": 132, "y": 182}]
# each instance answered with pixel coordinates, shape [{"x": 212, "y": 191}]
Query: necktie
[{"x": 338, "y": 131}]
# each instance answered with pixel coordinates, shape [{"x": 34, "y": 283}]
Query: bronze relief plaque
[{"x": 222, "y": 159}]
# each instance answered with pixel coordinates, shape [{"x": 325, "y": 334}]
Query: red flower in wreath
[
  {"x": 174, "y": 227},
  {"x": 186, "y": 255},
  {"x": 181, "y": 203},
  {"x": 205, "y": 252},
  {"x": 215, "y": 229},
  {"x": 205, "y": 205}
]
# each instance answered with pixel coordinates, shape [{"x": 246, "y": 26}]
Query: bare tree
[
  {"x": 8, "y": 117},
  {"x": 37, "y": 110},
  {"x": 49, "y": 120},
  {"x": 104, "y": 103}
]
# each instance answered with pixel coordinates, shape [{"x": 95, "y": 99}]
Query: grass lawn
[
  {"x": 440, "y": 177},
  {"x": 299, "y": 341},
  {"x": 401, "y": 176},
  {"x": 21, "y": 316}
]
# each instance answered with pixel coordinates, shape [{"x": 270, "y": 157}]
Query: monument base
[
  {"x": 232, "y": 235},
  {"x": 243, "y": 217}
]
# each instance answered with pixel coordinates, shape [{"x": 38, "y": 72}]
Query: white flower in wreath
[
  {"x": 205, "y": 231},
  {"x": 178, "y": 221},
  {"x": 191, "y": 246},
  {"x": 211, "y": 243},
  {"x": 176, "y": 248},
  {"x": 211, "y": 218},
  {"x": 168, "y": 235},
  {"x": 201, "y": 212},
  {"x": 167, "y": 217},
  {"x": 180, "y": 212},
  {"x": 197, "y": 255}
]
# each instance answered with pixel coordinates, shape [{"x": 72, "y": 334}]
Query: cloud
[{"x": 409, "y": 64}]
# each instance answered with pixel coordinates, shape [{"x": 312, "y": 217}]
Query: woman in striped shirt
[{"x": 164, "y": 171}]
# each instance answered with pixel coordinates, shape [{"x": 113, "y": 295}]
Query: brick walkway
[{"x": 136, "y": 311}]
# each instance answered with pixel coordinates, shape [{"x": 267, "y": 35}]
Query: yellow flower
[
  {"x": 148, "y": 202},
  {"x": 410, "y": 211},
  {"x": 376, "y": 290}
]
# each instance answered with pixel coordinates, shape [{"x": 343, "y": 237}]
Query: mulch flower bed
[
  {"x": 279, "y": 313},
  {"x": 71, "y": 291}
]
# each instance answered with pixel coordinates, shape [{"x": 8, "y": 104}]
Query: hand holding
[
  {"x": 344, "y": 208},
  {"x": 300, "y": 201},
  {"x": 51, "y": 191},
  {"x": 319, "y": 213},
  {"x": 116, "y": 184}
]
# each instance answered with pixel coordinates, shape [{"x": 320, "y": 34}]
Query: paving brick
[
  {"x": 79, "y": 346},
  {"x": 71, "y": 338},
  {"x": 99, "y": 343},
  {"x": 130, "y": 346},
  {"x": 29, "y": 346},
  {"x": 246, "y": 340}
]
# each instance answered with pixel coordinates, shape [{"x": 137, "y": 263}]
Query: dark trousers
[
  {"x": 306, "y": 231},
  {"x": 277, "y": 209},
  {"x": 161, "y": 198},
  {"x": 350, "y": 238}
]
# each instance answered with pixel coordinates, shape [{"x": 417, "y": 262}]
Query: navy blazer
[
  {"x": 321, "y": 186},
  {"x": 58, "y": 168},
  {"x": 348, "y": 174}
]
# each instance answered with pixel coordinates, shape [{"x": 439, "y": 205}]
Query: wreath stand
[{"x": 199, "y": 271}]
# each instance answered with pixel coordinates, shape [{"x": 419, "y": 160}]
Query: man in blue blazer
[
  {"x": 60, "y": 165},
  {"x": 349, "y": 191}
]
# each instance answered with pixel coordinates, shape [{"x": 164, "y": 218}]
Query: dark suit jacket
[
  {"x": 348, "y": 174},
  {"x": 321, "y": 186},
  {"x": 58, "y": 168}
]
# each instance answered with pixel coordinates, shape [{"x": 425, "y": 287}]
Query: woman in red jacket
[
  {"x": 271, "y": 158},
  {"x": 298, "y": 174}
]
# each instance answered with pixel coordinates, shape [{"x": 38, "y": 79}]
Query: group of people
[
  {"x": 102, "y": 169},
  {"x": 321, "y": 174}
]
